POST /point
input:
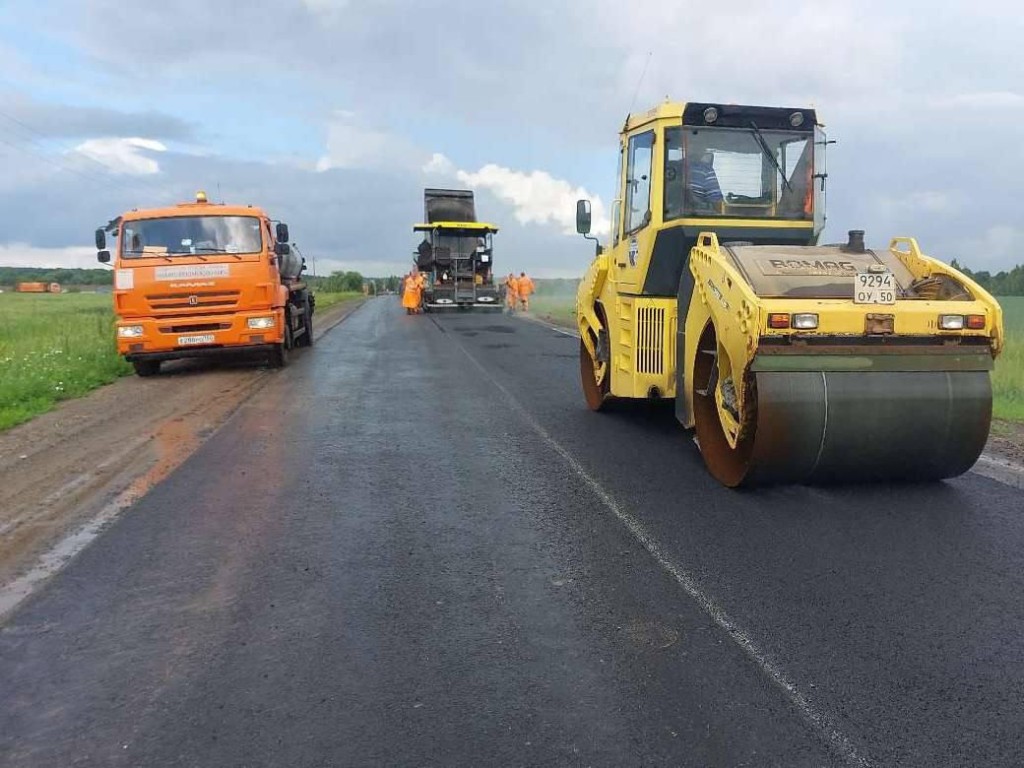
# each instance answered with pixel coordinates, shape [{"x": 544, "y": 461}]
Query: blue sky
[{"x": 328, "y": 112}]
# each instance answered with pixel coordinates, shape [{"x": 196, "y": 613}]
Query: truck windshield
[
  {"x": 738, "y": 173},
  {"x": 190, "y": 236}
]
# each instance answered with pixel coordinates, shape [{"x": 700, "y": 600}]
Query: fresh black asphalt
[{"x": 414, "y": 546}]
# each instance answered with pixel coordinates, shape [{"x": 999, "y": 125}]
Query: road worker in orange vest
[
  {"x": 511, "y": 292},
  {"x": 526, "y": 287},
  {"x": 412, "y": 297}
]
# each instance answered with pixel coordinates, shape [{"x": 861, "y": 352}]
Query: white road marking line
[
  {"x": 549, "y": 326},
  {"x": 817, "y": 719},
  {"x": 13, "y": 593}
]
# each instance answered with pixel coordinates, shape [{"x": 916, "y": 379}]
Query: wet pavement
[{"x": 414, "y": 546}]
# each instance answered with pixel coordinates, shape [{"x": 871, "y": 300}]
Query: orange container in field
[
  {"x": 31, "y": 288},
  {"x": 202, "y": 279}
]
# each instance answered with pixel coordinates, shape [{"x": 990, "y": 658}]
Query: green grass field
[
  {"x": 1008, "y": 381},
  {"x": 53, "y": 347},
  {"x": 560, "y": 309},
  {"x": 325, "y": 300}
]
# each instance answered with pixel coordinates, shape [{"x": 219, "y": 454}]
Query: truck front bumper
[{"x": 170, "y": 338}]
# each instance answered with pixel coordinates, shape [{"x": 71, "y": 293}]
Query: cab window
[{"x": 638, "y": 181}]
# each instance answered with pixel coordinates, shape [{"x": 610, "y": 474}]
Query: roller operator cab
[
  {"x": 793, "y": 362},
  {"x": 205, "y": 280}
]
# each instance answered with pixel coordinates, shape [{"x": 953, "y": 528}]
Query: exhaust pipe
[{"x": 855, "y": 243}]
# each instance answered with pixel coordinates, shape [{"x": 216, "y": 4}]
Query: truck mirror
[
  {"x": 101, "y": 239},
  {"x": 282, "y": 249},
  {"x": 282, "y": 232},
  {"x": 583, "y": 217},
  {"x": 103, "y": 257}
]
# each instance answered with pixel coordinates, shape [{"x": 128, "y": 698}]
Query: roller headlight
[
  {"x": 951, "y": 322},
  {"x": 260, "y": 323},
  {"x": 710, "y": 115},
  {"x": 129, "y": 331},
  {"x": 805, "y": 321},
  {"x": 796, "y": 119}
]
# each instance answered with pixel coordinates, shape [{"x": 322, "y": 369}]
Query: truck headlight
[
  {"x": 257, "y": 323},
  {"x": 129, "y": 331}
]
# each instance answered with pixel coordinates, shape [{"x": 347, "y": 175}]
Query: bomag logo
[{"x": 809, "y": 267}]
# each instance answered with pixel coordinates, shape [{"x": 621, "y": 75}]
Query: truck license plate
[
  {"x": 203, "y": 338},
  {"x": 874, "y": 288}
]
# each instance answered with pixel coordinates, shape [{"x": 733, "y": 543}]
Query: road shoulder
[{"x": 67, "y": 473}]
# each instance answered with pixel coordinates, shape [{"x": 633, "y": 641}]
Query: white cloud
[
  {"x": 367, "y": 268},
  {"x": 326, "y": 9},
  {"x": 123, "y": 156},
  {"x": 353, "y": 145},
  {"x": 439, "y": 165},
  {"x": 981, "y": 100},
  {"x": 22, "y": 255},
  {"x": 537, "y": 197}
]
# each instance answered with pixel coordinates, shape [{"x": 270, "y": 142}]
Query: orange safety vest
[{"x": 413, "y": 292}]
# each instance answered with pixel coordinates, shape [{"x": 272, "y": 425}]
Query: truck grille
[
  {"x": 199, "y": 300},
  {"x": 195, "y": 327},
  {"x": 650, "y": 335}
]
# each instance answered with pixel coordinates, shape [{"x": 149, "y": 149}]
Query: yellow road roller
[{"x": 793, "y": 362}]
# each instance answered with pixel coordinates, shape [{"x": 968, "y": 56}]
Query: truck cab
[{"x": 200, "y": 279}]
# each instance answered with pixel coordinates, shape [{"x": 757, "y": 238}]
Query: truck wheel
[
  {"x": 278, "y": 357},
  {"x": 307, "y": 324},
  {"x": 146, "y": 367}
]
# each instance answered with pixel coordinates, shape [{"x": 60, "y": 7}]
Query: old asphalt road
[{"x": 414, "y": 547}]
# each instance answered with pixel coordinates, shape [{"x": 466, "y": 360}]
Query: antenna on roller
[{"x": 636, "y": 91}]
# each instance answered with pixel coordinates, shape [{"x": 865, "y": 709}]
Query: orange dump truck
[
  {"x": 205, "y": 280},
  {"x": 37, "y": 288}
]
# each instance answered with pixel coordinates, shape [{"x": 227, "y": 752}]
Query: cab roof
[
  {"x": 193, "y": 209},
  {"x": 726, "y": 116},
  {"x": 473, "y": 226}
]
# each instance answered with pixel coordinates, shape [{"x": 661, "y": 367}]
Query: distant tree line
[
  {"x": 341, "y": 282},
  {"x": 68, "y": 278},
  {"x": 72, "y": 278},
  {"x": 1001, "y": 283}
]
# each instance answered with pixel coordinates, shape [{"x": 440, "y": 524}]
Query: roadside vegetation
[
  {"x": 1008, "y": 381},
  {"x": 326, "y": 299},
  {"x": 53, "y": 347},
  {"x": 57, "y": 347},
  {"x": 555, "y": 301}
]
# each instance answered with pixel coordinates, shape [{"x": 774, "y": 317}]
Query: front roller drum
[
  {"x": 816, "y": 427},
  {"x": 596, "y": 395}
]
